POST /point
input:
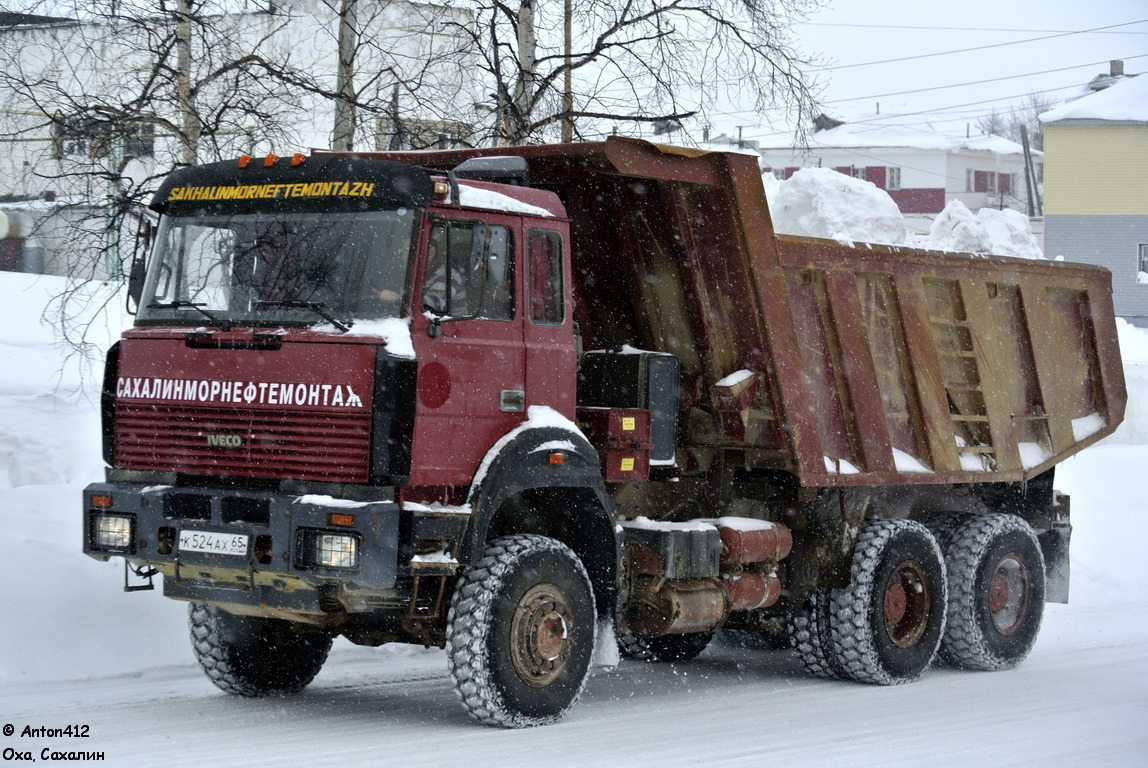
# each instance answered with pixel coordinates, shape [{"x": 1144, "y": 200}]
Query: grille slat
[{"x": 321, "y": 446}]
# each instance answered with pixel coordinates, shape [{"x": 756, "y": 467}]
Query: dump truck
[{"x": 532, "y": 403}]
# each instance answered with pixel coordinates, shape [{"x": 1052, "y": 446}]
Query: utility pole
[
  {"x": 568, "y": 77},
  {"x": 183, "y": 97},
  {"x": 1029, "y": 172},
  {"x": 343, "y": 133}
]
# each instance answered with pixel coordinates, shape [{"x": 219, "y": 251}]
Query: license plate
[{"x": 213, "y": 543}]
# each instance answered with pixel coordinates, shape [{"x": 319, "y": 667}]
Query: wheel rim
[
  {"x": 906, "y": 604},
  {"x": 540, "y": 632},
  {"x": 1009, "y": 592}
]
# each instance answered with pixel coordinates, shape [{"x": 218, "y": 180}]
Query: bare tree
[
  {"x": 403, "y": 76},
  {"x": 101, "y": 99},
  {"x": 582, "y": 67},
  {"x": 1025, "y": 113}
]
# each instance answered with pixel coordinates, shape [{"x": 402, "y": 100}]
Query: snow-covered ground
[{"x": 75, "y": 649}]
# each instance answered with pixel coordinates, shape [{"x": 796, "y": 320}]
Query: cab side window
[
  {"x": 547, "y": 295},
  {"x": 470, "y": 271}
]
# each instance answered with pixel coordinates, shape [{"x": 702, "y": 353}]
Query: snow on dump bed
[{"x": 820, "y": 202}]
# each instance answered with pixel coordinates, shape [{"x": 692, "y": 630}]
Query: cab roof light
[
  {"x": 245, "y": 160},
  {"x": 297, "y": 158},
  {"x": 557, "y": 457},
  {"x": 270, "y": 160}
]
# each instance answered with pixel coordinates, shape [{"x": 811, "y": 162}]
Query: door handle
[{"x": 512, "y": 401}]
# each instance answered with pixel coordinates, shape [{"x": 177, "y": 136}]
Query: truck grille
[{"x": 320, "y": 446}]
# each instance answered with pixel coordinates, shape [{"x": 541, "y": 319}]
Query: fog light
[
  {"x": 336, "y": 550},
  {"x": 112, "y": 532}
]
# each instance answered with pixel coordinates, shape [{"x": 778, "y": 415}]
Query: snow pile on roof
[
  {"x": 870, "y": 134},
  {"x": 819, "y": 202},
  {"x": 1127, "y": 100}
]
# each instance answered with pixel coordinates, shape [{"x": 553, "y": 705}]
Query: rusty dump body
[{"x": 838, "y": 364}]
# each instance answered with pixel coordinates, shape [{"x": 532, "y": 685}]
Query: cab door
[
  {"x": 548, "y": 328},
  {"x": 467, "y": 332}
]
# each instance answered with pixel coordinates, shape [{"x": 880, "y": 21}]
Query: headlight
[
  {"x": 336, "y": 550},
  {"x": 112, "y": 533},
  {"x": 324, "y": 549}
]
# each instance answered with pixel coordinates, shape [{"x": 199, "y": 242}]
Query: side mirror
[
  {"x": 138, "y": 271},
  {"x": 136, "y": 282}
]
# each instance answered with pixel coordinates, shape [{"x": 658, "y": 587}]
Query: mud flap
[{"x": 1054, "y": 545}]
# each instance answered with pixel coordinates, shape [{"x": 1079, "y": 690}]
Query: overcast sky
[{"x": 850, "y": 34}]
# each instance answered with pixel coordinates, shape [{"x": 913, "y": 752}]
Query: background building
[
  {"x": 94, "y": 111},
  {"x": 1096, "y": 187},
  {"x": 922, "y": 169}
]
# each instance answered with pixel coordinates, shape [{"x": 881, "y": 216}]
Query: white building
[
  {"x": 922, "y": 169},
  {"x": 90, "y": 110}
]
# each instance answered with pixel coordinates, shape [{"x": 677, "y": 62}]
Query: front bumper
[{"x": 277, "y": 571}]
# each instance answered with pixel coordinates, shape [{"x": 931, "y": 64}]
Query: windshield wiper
[
  {"x": 316, "y": 307},
  {"x": 181, "y": 304}
]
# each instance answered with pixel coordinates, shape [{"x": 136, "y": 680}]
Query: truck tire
[
  {"x": 254, "y": 656},
  {"x": 668, "y": 648},
  {"x": 886, "y": 626},
  {"x": 996, "y": 593},
  {"x": 810, "y": 638},
  {"x": 520, "y": 632}
]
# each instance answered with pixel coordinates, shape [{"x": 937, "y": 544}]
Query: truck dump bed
[{"x": 840, "y": 363}]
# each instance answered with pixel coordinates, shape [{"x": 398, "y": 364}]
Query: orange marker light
[
  {"x": 102, "y": 501},
  {"x": 270, "y": 160},
  {"x": 557, "y": 458},
  {"x": 245, "y": 160},
  {"x": 297, "y": 158},
  {"x": 342, "y": 519}
]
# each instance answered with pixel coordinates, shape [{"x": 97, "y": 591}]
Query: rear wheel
[
  {"x": 255, "y": 656},
  {"x": 520, "y": 633},
  {"x": 886, "y": 626},
  {"x": 809, "y": 635},
  {"x": 996, "y": 600}
]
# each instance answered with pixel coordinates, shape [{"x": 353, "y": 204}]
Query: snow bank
[
  {"x": 819, "y": 202},
  {"x": 49, "y": 389},
  {"x": 1134, "y": 352}
]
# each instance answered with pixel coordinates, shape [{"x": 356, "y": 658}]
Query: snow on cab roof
[{"x": 1126, "y": 101}]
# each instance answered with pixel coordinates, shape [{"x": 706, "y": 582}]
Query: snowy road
[{"x": 1080, "y": 700}]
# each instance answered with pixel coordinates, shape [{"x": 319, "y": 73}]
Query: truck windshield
[{"x": 270, "y": 269}]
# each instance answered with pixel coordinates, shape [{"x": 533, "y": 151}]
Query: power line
[
  {"x": 877, "y": 119},
  {"x": 977, "y": 48},
  {"x": 963, "y": 29},
  {"x": 980, "y": 82}
]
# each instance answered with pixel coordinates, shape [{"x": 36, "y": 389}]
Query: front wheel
[
  {"x": 886, "y": 626},
  {"x": 520, "y": 632},
  {"x": 255, "y": 656},
  {"x": 996, "y": 592}
]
